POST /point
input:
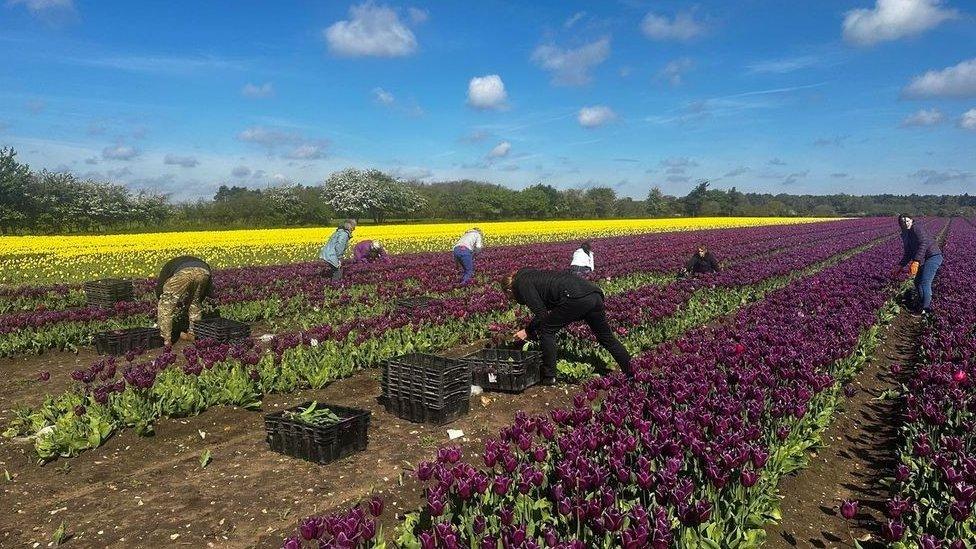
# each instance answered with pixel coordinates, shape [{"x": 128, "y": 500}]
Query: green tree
[
  {"x": 15, "y": 205},
  {"x": 696, "y": 198},
  {"x": 657, "y": 204},
  {"x": 602, "y": 201}
]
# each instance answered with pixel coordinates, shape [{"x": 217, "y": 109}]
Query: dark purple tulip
[
  {"x": 80, "y": 410},
  {"x": 928, "y": 541},
  {"x": 893, "y": 530},
  {"x": 376, "y": 506},
  {"x": 748, "y": 478},
  {"x": 292, "y": 543},
  {"x": 848, "y": 509},
  {"x": 44, "y": 376},
  {"x": 960, "y": 510}
]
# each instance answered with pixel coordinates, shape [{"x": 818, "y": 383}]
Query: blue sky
[{"x": 859, "y": 96}]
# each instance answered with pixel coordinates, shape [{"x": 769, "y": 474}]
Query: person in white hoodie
[
  {"x": 470, "y": 244},
  {"x": 582, "y": 260}
]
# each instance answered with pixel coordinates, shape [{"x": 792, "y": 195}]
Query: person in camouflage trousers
[{"x": 182, "y": 285}]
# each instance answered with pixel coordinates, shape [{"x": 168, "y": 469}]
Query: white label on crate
[{"x": 492, "y": 378}]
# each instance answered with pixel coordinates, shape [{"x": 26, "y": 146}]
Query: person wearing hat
[
  {"x": 470, "y": 244},
  {"x": 923, "y": 258},
  {"x": 368, "y": 251},
  {"x": 333, "y": 250},
  {"x": 557, "y": 299},
  {"x": 182, "y": 285}
]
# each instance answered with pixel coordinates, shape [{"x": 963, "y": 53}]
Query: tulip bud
[{"x": 848, "y": 509}]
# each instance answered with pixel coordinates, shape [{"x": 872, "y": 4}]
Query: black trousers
[{"x": 589, "y": 309}]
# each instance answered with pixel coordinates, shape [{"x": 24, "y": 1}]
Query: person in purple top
[
  {"x": 923, "y": 258},
  {"x": 368, "y": 250}
]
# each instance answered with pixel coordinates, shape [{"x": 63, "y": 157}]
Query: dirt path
[
  {"x": 150, "y": 492},
  {"x": 859, "y": 452}
]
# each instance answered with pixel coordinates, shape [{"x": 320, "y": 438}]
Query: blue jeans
[
  {"x": 923, "y": 281},
  {"x": 465, "y": 260}
]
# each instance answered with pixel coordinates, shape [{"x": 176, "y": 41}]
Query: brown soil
[
  {"x": 151, "y": 491},
  {"x": 858, "y": 452}
]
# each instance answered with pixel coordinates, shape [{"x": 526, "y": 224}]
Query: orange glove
[{"x": 913, "y": 268}]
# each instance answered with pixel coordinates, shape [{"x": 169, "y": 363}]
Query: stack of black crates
[
  {"x": 108, "y": 291},
  {"x": 426, "y": 389}
]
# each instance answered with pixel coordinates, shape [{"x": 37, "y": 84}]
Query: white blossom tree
[{"x": 371, "y": 192}]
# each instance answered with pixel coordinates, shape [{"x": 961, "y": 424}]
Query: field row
[
  {"x": 59, "y": 259},
  {"x": 934, "y": 483}
]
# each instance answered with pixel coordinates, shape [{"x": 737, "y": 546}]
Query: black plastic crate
[
  {"x": 413, "y": 303},
  {"x": 118, "y": 342},
  {"x": 430, "y": 379},
  {"x": 418, "y": 412},
  {"x": 316, "y": 443},
  {"x": 108, "y": 291},
  {"x": 505, "y": 370},
  {"x": 221, "y": 329}
]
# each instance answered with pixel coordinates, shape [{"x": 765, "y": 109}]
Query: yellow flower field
[{"x": 51, "y": 259}]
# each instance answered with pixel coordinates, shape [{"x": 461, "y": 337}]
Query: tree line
[{"x": 45, "y": 202}]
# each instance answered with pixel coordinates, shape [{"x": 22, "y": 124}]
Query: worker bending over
[
  {"x": 582, "y": 260},
  {"x": 470, "y": 245},
  {"x": 923, "y": 257},
  {"x": 556, "y": 299},
  {"x": 181, "y": 287},
  {"x": 334, "y": 248},
  {"x": 702, "y": 262},
  {"x": 368, "y": 250}
]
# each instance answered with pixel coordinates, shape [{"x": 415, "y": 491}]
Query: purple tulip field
[{"x": 738, "y": 376}]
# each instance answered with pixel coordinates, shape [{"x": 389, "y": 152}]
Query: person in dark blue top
[{"x": 923, "y": 258}]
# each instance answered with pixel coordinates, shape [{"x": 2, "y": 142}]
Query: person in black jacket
[
  {"x": 702, "y": 262},
  {"x": 923, "y": 257},
  {"x": 181, "y": 287},
  {"x": 558, "y": 298}
]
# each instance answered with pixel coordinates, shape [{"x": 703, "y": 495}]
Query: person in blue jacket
[
  {"x": 923, "y": 258},
  {"x": 333, "y": 250}
]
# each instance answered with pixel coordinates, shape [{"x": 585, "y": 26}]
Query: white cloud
[
  {"x": 268, "y": 137},
  {"x": 371, "y": 30},
  {"x": 935, "y": 177},
  {"x": 487, "y": 92},
  {"x": 737, "y": 172},
  {"x": 411, "y": 173},
  {"x": 159, "y": 64},
  {"x": 968, "y": 120},
  {"x": 894, "y": 19},
  {"x": 46, "y": 9},
  {"x": 923, "y": 117},
  {"x": 678, "y": 165},
  {"x": 595, "y": 116},
  {"x": 575, "y": 18},
  {"x": 383, "y": 97},
  {"x": 36, "y": 106},
  {"x": 418, "y": 15},
  {"x": 786, "y": 65},
  {"x": 955, "y": 81},
  {"x": 674, "y": 71},
  {"x": 119, "y": 152},
  {"x": 572, "y": 67},
  {"x": 500, "y": 150},
  {"x": 184, "y": 161},
  {"x": 258, "y": 91},
  {"x": 240, "y": 172},
  {"x": 682, "y": 27},
  {"x": 307, "y": 151}
]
